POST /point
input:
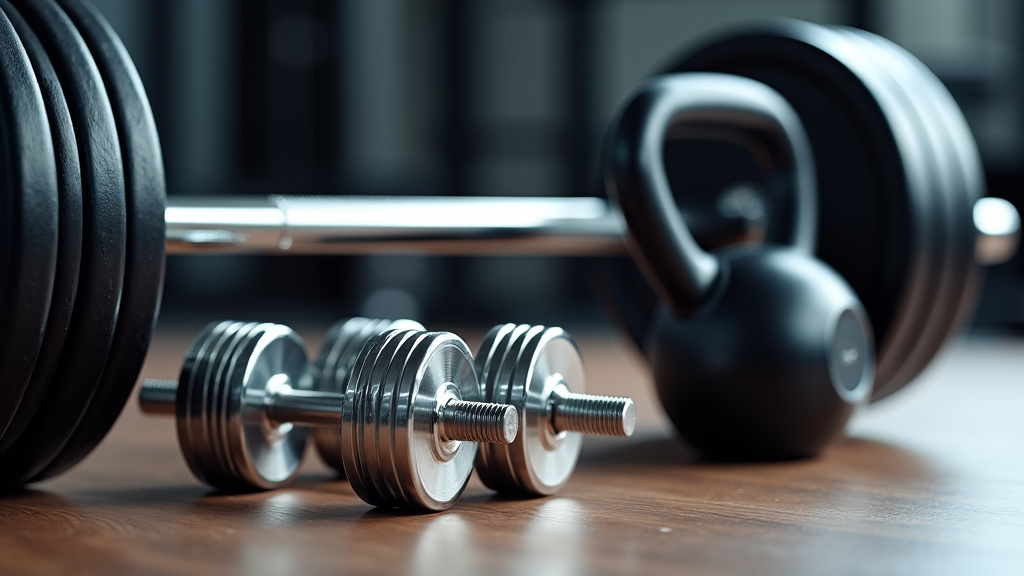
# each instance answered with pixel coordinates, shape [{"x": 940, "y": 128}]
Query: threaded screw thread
[
  {"x": 157, "y": 397},
  {"x": 478, "y": 422},
  {"x": 593, "y": 414}
]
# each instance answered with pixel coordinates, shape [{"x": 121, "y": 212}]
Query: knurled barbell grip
[{"x": 465, "y": 226}]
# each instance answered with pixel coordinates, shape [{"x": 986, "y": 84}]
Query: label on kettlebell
[{"x": 850, "y": 354}]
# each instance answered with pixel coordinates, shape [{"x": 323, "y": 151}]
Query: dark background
[{"x": 464, "y": 97}]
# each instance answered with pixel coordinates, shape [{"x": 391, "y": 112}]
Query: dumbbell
[
  {"x": 886, "y": 180},
  {"x": 409, "y": 415},
  {"x": 536, "y": 369}
]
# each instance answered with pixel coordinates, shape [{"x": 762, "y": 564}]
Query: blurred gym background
[{"x": 474, "y": 97}]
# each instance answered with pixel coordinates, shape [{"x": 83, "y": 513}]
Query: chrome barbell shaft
[
  {"x": 367, "y": 225},
  {"x": 461, "y": 226}
]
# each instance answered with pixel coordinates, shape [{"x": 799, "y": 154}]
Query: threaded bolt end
[
  {"x": 157, "y": 397},
  {"x": 592, "y": 414},
  {"x": 478, "y": 422}
]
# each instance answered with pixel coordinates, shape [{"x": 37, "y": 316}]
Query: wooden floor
[{"x": 931, "y": 482}]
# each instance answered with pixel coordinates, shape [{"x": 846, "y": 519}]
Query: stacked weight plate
[
  {"x": 338, "y": 353},
  {"x": 392, "y": 454},
  {"x": 228, "y": 361},
  {"x": 519, "y": 366},
  {"x": 81, "y": 289}
]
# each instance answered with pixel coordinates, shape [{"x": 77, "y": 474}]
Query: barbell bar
[{"x": 523, "y": 226}]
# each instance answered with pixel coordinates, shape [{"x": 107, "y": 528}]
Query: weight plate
[
  {"x": 920, "y": 316},
  {"x": 370, "y": 365},
  {"x": 338, "y": 353},
  {"x": 539, "y": 461},
  {"x": 439, "y": 365},
  {"x": 389, "y": 405},
  {"x": 959, "y": 186},
  {"x": 144, "y": 262},
  {"x": 220, "y": 369},
  {"x": 495, "y": 347},
  {"x": 190, "y": 397},
  {"x": 331, "y": 373},
  {"x": 543, "y": 458},
  {"x": 261, "y": 456},
  {"x": 497, "y": 470},
  {"x": 28, "y": 224},
  {"x": 69, "y": 220},
  {"x": 87, "y": 344}
]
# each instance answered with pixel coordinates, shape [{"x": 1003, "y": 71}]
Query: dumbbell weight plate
[
  {"x": 330, "y": 377},
  {"x": 438, "y": 361},
  {"x": 217, "y": 373},
  {"x": 539, "y": 461},
  {"x": 28, "y": 223},
  {"x": 495, "y": 346},
  {"x": 338, "y": 352},
  {"x": 385, "y": 401},
  {"x": 193, "y": 430},
  {"x": 87, "y": 344},
  {"x": 498, "y": 470},
  {"x": 358, "y": 421},
  {"x": 69, "y": 220},
  {"x": 144, "y": 263},
  {"x": 262, "y": 457}
]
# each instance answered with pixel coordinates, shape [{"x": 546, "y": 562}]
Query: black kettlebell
[{"x": 757, "y": 352}]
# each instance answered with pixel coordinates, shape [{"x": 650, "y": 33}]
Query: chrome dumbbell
[
  {"x": 538, "y": 370},
  {"x": 245, "y": 400}
]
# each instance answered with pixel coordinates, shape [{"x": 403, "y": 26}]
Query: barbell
[{"x": 882, "y": 189}]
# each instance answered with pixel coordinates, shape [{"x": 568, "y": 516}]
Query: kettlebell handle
[{"x": 692, "y": 105}]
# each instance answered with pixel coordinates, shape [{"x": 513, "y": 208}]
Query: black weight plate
[
  {"x": 144, "y": 264},
  {"x": 966, "y": 190},
  {"x": 69, "y": 243},
  {"x": 28, "y": 221},
  {"x": 103, "y": 246},
  {"x": 936, "y": 308},
  {"x": 956, "y": 192}
]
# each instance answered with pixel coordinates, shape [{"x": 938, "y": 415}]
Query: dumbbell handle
[
  {"x": 463, "y": 226},
  {"x": 456, "y": 420}
]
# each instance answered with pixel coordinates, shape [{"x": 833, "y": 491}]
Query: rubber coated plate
[
  {"x": 959, "y": 187},
  {"x": 69, "y": 244},
  {"x": 28, "y": 223},
  {"x": 144, "y": 264},
  {"x": 925, "y": 297},
  {"x": 103, "y": 245}
]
